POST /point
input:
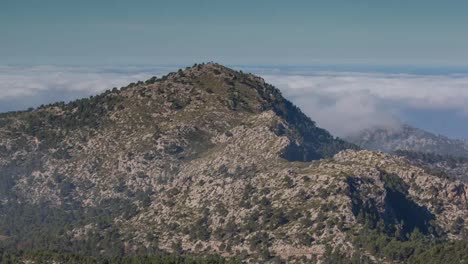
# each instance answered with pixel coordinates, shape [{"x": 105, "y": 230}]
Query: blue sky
[
  {"x": 234, "y": 32},
  {"x": 388, "y": 60}
]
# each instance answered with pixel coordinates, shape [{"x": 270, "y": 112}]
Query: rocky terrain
[
  {"x": 408, "y": 138},
  {"x": 445, "y": 166},
  {"x": 209, "y": 160}
]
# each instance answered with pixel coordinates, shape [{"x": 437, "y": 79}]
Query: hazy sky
[{"x": 245, "y": 32}]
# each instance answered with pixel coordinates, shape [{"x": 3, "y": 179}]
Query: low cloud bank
[
  {"x": 22, "y": 87},
  {"x": 342, "y": 102},
  {"x": 346, "y": 102}
]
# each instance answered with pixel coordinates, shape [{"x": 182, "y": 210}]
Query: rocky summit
[{"x": 209, "y": 160}]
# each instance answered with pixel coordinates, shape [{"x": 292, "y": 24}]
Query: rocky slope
[
  {"x": 444, "y": 166},
  {"x": 409, "y": 138},
  {"x": 207, "y": 160}
]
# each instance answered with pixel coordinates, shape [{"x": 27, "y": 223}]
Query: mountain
[
  {"x": 437, "y": 154},
  {"x": 208, "y": 160},
  {"x": 446, "y": 166},
  {"x": 408, "y": 138}
]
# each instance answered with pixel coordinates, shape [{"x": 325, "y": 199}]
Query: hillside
[
  {"x": 408, "y": 138},
  {"x": 209, "y": 160},
  {"x": 445, "y": 166}
]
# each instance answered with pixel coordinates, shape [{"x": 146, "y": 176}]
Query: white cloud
[
  {"x": 27, "y": 81},
  {"x": 342, "y": 102},
  {"x": 21, "y": 87},
  {"x": 348, "y": 102}
]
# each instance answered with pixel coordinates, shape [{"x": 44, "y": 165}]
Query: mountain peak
[
  {"x": 200, "y": 161},
  {"x": 207, "y": 93},
  {"x": 222, "y": 87}
]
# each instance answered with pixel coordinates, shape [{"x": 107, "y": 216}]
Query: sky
[
  {"x": 347, "y": 64},
  {"x": 233, "y": 32}
]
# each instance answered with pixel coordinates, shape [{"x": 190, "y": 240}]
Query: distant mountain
[
  {"x": 408, "y": 138},
  {"x": 208, "y": 160},
  {"x": 445, "y": 166}
]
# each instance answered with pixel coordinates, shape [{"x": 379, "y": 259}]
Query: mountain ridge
[
  {"x": 210, "y": 160},
  {"x": 408, "y": 138}
]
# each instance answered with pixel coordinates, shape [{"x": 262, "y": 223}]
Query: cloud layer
[
  {"x": 342, "y": 102},
  {"x": 347, "y": 102},
  {"x": 22, "y": 87}
]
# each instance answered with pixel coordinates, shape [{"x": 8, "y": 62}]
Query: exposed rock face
[
  {"x": 409, "y": 138},
  {"x": 213, "y": 160}
]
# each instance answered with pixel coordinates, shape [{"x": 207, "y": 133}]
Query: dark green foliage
[
  {"x": 120, "y": 187},
  {"x": 259, "y": 243},
  {"x": 144, "y": 197},
  {"x": 178, "y": 103},
  {"x": 16, "y": 168},
  {"x": 401, "y": 216},
  {"x": 200, "y": 229},
  {"x": 221, "y": 209},
  {"x": 417, "y": 249},
  {"x": 151, "y": 80},
  {"x": 364, "y": 211},
  {"x": 229, "y": 231},
  {"x": 305, "y": 239},
  {"x": 411, "y": 215},
  {"x": 288, "y": 181},
  {"x": 50, "y": 126},
  {"x": 279, "y": 130},
  {"x": 388, "y": 247},
  {"x": 177, "y": 247},
  {"x": 458, "y": 224},
  {"x": 249, "y": 191},
  {"x": 43, "y": 227},
  {"x": 404, "y": 233},
  {"x": 66, "y": 258},
  {"x": 66, "y": 187},
  {"x": 61, "y": 153},
  {"x": 173, "y": 149},
  {"x": 338, "y": 257},
  {"x": 6, "y": 183},
  {"x": 451, "y": 252},
  {"x": 393, "y": 183}
]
